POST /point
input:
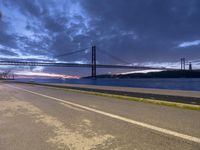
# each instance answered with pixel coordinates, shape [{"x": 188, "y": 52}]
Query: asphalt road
[
  {"x": 42, "y": 118},
  {"x": 180, "y": 96}
]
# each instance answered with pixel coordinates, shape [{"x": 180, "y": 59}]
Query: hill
[{"x": 162, "y": 74}]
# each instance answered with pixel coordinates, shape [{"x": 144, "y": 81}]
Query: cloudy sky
[{"x": 141, "y": 32}]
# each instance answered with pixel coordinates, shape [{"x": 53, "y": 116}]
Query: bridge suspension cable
[
  {"x": 196, "y": 60},
  {"x": 72, "y": 52},
  {"x": 113, "y": 57}
]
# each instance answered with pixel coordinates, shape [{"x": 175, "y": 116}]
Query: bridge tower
[
  {"x": 190, "y": 66},
  {"x": 182, "y": 63},
  {"x": 93, "y": 61}
]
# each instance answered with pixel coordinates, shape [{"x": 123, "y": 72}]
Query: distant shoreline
[{"x": 161, "y": 74}]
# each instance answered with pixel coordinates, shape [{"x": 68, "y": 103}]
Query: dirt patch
[{"x": 64, "y": 137}]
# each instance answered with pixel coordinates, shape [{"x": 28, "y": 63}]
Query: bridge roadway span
[
  {"x": 21, "y": 63},
  {"x": 37, "y": 117}
]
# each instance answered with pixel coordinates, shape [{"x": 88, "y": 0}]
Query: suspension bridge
[{"x": 93, "y": 65}]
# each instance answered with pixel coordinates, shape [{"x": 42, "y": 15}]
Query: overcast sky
[{"x": 144, "y": 32}]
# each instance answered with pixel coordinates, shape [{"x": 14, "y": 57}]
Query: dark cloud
[
  {"x": 134, "y": 30},
  {"x": 159, "y": 26},
  {"x": 26, "y": 7},
  {"x": 6, "y": 38},
  {"x": 7, "y": 52},
  {"x": 55, "y": 24},
  {"x": 153, "y": 17}
]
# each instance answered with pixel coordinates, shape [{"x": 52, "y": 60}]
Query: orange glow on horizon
[{"x": 25, "y": 74}]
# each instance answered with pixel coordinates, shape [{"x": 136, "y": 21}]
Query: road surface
[
  {"x": 180, "y": 96},
  {"x": 35, "y": 117}
]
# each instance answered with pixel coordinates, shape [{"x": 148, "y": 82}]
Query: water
[{"x": 172, "y": 84}]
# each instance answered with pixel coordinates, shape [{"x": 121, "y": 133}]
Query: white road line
[{"x": 145, "y": 125}]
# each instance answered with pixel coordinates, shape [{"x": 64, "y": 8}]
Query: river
[{"x": 158, "y": 83}]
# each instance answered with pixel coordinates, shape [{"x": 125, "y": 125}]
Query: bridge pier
[{"x": 93, "y": 61}]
